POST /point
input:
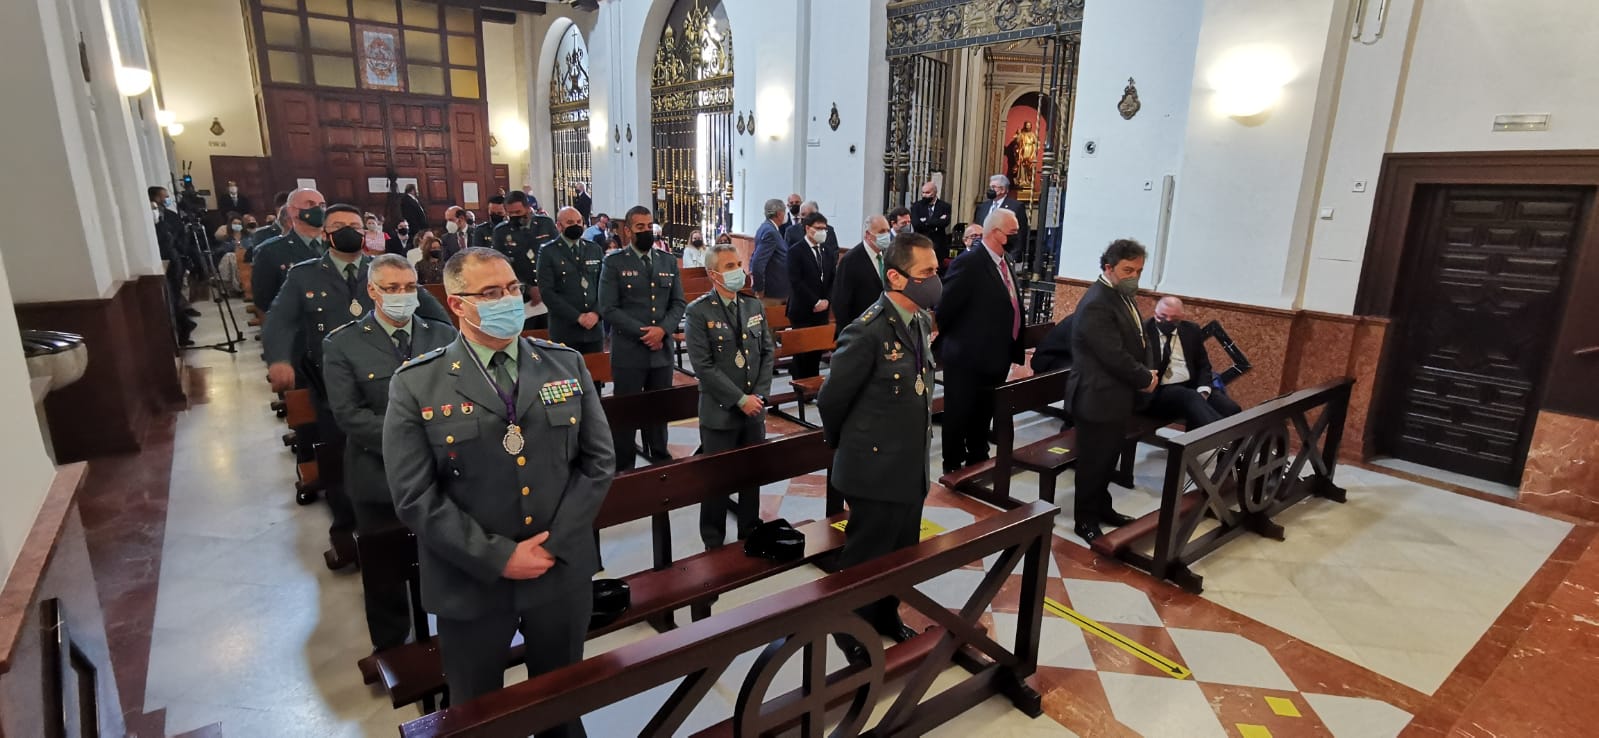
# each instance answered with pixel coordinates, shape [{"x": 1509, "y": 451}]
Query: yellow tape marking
[
  {"x": 1246, "y": 730},
  {"x": 1166, "y": 665},
  {"x": 928, "y": 529},
  {"x": 1283, "y": 706},
  {"x": 1059, "y": 450}
]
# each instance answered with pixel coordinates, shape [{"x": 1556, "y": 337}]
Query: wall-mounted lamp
[
  {"x": 1249, "y": 80},
  {"x": 133, "y": 81},
  {"x": 175, "y": 130},
  {"x": 165, "y": 118}
]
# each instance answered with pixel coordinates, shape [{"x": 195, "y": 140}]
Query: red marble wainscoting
[
  {"x": 53, "y": 564},
  {"x": 1562, "y": 472},
  {"x": 132, "y": 373},
  {"x": 1289, "y": 349}
]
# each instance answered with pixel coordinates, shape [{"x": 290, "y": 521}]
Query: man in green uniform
[
  {"x": 731, "y": 351},
  {"x": 876, "y": 409},
  {"x": 358, "y": 359},
  {"x": 519, "y": 238},
  {"x": 641, "y": 297},
  {"x": 498, "y": 456},
  {"x": 303, "y": 240},
  {"x": 569, "y": 282}
]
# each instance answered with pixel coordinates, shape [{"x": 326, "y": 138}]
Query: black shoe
[
  {"x": 1115, "y": 519},
  {"x": 1089, "y": 532},
  {"x": 856, "y": 654},
  {"x": 900, "y": 634},
  {"x": 191, "y": 312},
  {"x": 1124, "y": 480},
  {"x": 950, "y": 468}
]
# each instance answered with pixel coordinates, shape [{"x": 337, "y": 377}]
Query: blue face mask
[
  {"x": 883, "y": 240},
  {"x": 501, "y": 318},
  {"x": 734, "y": 280},
  {"x": 400, "y": 307}
]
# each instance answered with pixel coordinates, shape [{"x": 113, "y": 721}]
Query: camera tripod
[{"x": 194, "y": 234}]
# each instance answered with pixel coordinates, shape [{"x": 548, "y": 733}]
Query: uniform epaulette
[
  {"x": 700, "y": 299},
  {"x": 335, "y": 331},
  {"x": 870, "y": 314},
  {"x": 308, "y": 262},
  {"x": 422, "y": 358},
  {"x": 541, "y": 343}
]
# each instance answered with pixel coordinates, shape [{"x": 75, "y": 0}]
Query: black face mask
[
  {"x": 930, "y": 199},
  {"x": 519, "y": 221},
  {"x": 992, "y": 194},
  {"x": 496, "y": 218},
  {"x": 643, "y": 241},
  {"x": 698, "y": 242},
  {"x": 572, "y": 232},
  {"x": 793, "y": 210},
  {"x": 347, "y": 240},
  {"x": 404, "y": 232},
  {"x": 1166, "y": 326}
]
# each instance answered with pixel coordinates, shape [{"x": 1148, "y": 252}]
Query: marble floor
[{"x": 1390, "y": 614}]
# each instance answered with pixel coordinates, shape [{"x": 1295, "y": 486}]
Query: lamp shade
[{"x": 133, "y": 81}]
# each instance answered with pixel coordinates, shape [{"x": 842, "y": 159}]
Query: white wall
[
  {"x": 842, "y": 69},
  {"x": 1241, "y": 217},
  {"x": 506, "y": 91},
  {"x": 1152, "y": 41},
  {"x": 203, "y": 70},
  {"x": 28, "y": 470},
  {"x": 1474, "y": 59}
]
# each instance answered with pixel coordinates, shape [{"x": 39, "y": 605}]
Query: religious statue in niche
[
  {"x": 1021, "y": 157},
  {"x": 1129, "y": 105},
  {"x": 1025, "y": 133}
]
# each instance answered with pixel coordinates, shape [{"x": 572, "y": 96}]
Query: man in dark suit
[
  {"x": 582, "y": 201},
  {"x": 232, "y": 201},
  {"x": 999, "y": 196},
  {"x": 792, "y": 216},
  {"x": 411, "y": 209},
  {"x": 876, "y": 409},
  {"x": 769, "y": 264},
  {"x": 458, "y": 232},
  {"x": 812, "y": 266},
  {"x": 979, "y": 337},
  {"x": 1110, "y": 377},
  {"x": 1187, "y": 383},
  {"x": 795, "y": 234},
  {"x": 859, "y": 281},
  {"x": 1055, "y": 351},
  {"x": 930, "y": 217}
]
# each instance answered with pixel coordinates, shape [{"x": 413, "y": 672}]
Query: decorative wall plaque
[
  {"x": 379, "y": 58},
  {"x": 630, "y": 133},
  {"x": 832, "y": 120},
  {"x": 616, "y": 132},
  {"x": 740, "y": 124},
  {"x": 216, "y": 127},
  {"x": 1129, "y": 105}
]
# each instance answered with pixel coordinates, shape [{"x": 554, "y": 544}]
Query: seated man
[
  {"x": 1188, "y": 389},
  {"x": 1055, "y": 351}
]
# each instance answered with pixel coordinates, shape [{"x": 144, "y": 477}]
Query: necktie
[
  {"x": 497, "y": 369},
  {"x": 821, "y": 269},
  {"x": 882, "y": 268},
  {"x": 1015, "y": 307},
  {"x": 403, "y": 342},
  {"x": 1165, "y": 355},
  {"x": 349, "y": 278}
]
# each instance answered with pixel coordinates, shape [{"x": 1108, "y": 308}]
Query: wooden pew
[
  {"x": 777, "y": 318},
  {"x": 599, "y": 365},
  {"x": 437, "y": 290},
  {"x": 414, "y": 672},
  {"x": 300, "y": 413},
  {"x": 798, "y": 341},
  {"x": 796, "y": 624}
]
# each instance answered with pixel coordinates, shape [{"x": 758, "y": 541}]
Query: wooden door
[
  {"x": 502, "y": 181},
  {"x": 356, "y": 148},
  {"x": 253, "y": 174},
  {"x": 1480, "y": 301}
]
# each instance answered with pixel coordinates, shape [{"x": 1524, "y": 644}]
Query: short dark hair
[
  {"x": 516, "y": 196},
  {"x": 902, "y": 251},
  {"x": 1120, "y": 250},
  {"x": 153, "y": 190},
  {"x": 410, "y": 188},
  {"x": 280, "y": 199},
  {"x": 813, "y": 219},
  {"x": 497, "y": 200},
  {"x": 637, "y": 210},
  {"x": 598, "y": 216},
  {"x": 894, "y": 214},
  {"x": 342, "y": 208},
  {"x": 453, "y": 282}
]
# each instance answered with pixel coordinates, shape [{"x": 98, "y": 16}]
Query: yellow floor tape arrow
[
  {"x": 1165, "y": 665},
  {"x": 928, "y": 530}
]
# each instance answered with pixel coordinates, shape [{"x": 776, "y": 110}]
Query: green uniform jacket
[
  {"x": 469, "y": 501},
  {"x": 569, "y": 282},
  {"x": 521, "y": 245},
  {"x": 716, "y": 334},
  {"x": 636, "y": 292},
  {"x": 871, "y": 412},
  {"x": 314, "y": 300},
  {"x": 358, "y": 359},
  {"x": 273, "y": 258}
]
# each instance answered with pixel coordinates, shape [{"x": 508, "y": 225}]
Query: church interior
[{"x": 1363, "y": 239}]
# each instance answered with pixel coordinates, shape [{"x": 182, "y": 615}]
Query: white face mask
[{"x": 452, "y": 227}]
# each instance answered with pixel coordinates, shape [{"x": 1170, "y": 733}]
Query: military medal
[
  {"x": 466, "y": 408},
  {"x": 355, "y": 307},
  {"x": 427, "y": 413},
  {"x": 584, "y": 283},
  {"x": 921, "y": 387},
  {"x": 513, "y": 441},
  {"x": 446, "y": 410},
  {"x": 738, "y": 360}
]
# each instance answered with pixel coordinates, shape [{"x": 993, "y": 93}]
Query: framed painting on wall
[{"x": 379, "y": 58}]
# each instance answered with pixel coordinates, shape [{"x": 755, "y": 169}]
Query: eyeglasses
[
  {"x": 398, "y": 289},
  {"x": 495, "y": 293}
]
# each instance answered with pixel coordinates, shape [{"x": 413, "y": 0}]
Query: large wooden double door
[
  {"x": 1479, "y": 309},
  {"x": 353, "y": 144}
]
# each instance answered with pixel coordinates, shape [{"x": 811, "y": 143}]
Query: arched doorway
[
  {"x": 691, "y": 121},
  {"x": 570, "y": 152}
]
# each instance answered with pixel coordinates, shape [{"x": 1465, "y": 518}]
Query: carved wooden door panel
[
  {"x": 1481, "y": 302},
  {"x": 356, "y": 147}
]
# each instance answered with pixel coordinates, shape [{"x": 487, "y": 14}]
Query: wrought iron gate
[
  {"x": 570, "y": 151},
  {"x": 917, "y": 139},
  {"x": 691, "y": 124}
]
